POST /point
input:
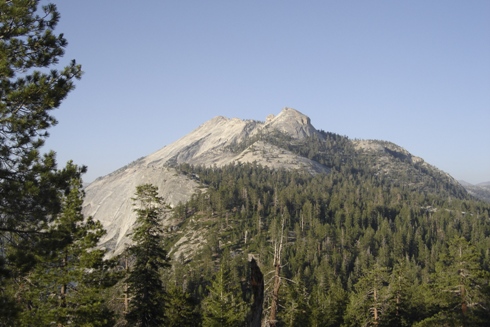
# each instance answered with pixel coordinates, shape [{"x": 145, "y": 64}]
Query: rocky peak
[
  {"x": 207, "y": 144},
  {"x": 291, "y": 122}
]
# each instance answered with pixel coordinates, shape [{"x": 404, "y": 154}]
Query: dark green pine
[
  {"x": 145, "y": 286},
  {"x": 66, "y": 285}
]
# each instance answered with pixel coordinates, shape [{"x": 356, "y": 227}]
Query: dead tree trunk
[
  {"x": 275, "y": 295},
  {"x": 375, "y": 309},
  {"x": 126, "y": 287},
  {"x": 277, "y": 279},
  {"x": 257, "y": 282}
]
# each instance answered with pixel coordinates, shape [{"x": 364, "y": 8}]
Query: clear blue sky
[{"x": 416, "y": 73}]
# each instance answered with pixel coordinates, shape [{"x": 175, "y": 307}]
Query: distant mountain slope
[
  {"x": 480, "y": 191},
  {"x": 401, "y": 168},
  {"x": 286, "y": 141}
]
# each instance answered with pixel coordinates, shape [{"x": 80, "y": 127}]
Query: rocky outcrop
[
  {"x": 274, "y": 157},
  {"x": 212, "y": 143},
  {"x": 108, "y": 199},
  {"x": 293, "y": 123}
]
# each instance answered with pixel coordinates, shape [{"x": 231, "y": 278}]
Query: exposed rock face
[
  {"x": 108, "y": 199},
  {"x": 207, "y": 145},
  {"x": 292, "y": 122},
  {"x": 272, "y": 156},
  {"x": 210, "y": 143}
]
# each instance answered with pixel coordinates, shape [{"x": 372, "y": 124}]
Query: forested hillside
[{"x": 358, "y": 248}]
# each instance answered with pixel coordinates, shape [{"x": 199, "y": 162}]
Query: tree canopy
[
  {"x": 50, "y": 272},
  {"x": 30, "y": 88}
]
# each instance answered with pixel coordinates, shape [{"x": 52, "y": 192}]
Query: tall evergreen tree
[
  {"x": 65, "y": 286},
  {"x": 400, "y": 310},
  {"x": 29, "y": 182},
  {"x": 30, "y": 88},
  {"x": 328, "y": 306},
  {"x": 145, "y": 285},
  {"x": 368, "y": 302},
  {"x": 224, "y": 306},
  {"x": 181, "y": 309},
  {"x": 296, "y": 306}
]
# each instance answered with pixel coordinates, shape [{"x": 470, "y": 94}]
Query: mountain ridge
[
  {"x": 480, "y": 191},
  {"x": 284, "y": 141}
]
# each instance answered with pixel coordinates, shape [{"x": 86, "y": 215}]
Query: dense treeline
[{"x": 344, "y": 234}]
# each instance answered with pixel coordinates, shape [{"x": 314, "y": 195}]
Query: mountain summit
[
  {"x": 287, "y": 141},
  {"x": 214, "y": 141},
  {"x": 291, "y": 122}
]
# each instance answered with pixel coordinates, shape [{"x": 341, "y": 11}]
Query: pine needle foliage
[
  {"x": 223, "y": 307},
  {"x": 145, "y": 285},
  {"x": 66, "y": 285},
  {"x": 31, "y": 87}
]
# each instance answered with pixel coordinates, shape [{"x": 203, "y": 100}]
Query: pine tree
[
  {"x": 368, "y": 302},
  {"x": 29, "y": 182},
  {"x": 181, "y": 309},
  {"x": 296, "y": 308},
  {"x": 401, "y": 302},
  {"x": 328, "y": 306},
  {"x": 278, "y": 249},
  {"x": 65, "y": 286},
  {"x": 223, "y": 307},
  {"x": 145, "y": 286},
  {"x": 30, "y": 88}
]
